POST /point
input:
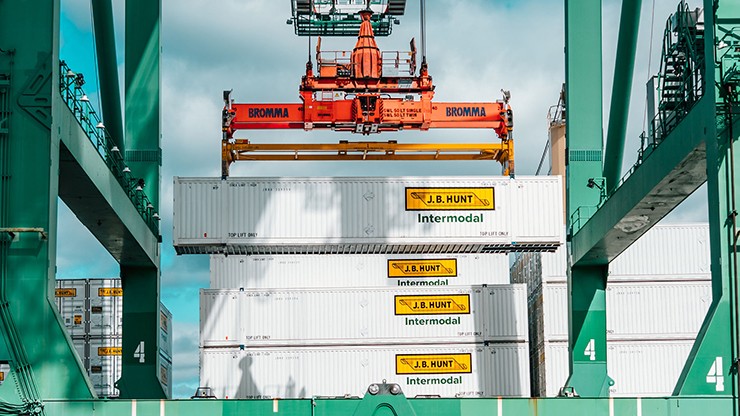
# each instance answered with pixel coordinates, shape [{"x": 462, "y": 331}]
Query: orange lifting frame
[{"x": 362, "y": 92}]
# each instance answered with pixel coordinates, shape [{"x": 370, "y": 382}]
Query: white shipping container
[
  {"x": 646, "y": 368},
  {"x": 79, "y": 346},
  {"x": 669, "y": 251},
  {"x": 105, "y": 365},
  {"x": 550, "y": 368},
  {"x": 638, "y": 368},
  {"x": 71, "y": 299},
  {"x": 665, "y": 253},
  {"x": 165, "y": 374},
  {"x": 292, "y": 373},
  {"x": 106, "y": 307},
  {"x": 355, "y": 270},
  {"x": 272, "y": 317},
  {"x": 366, "y": 215},
  {"x": 656, "y": 310},
  {"x": 165, "y": 331},
  {"x": 640, "y": 310},
  {"x": 533, "y": 269}
]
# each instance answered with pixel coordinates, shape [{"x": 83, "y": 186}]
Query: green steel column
[
  {"x": 586, "y": 285},
  {"x": 144, "y": 155},
  {"x": 711, "y": 368},
  {"x": 43, "y": 364},
  {"x": 110, "y": 93},
  {"x": 624, "y": 67},
  {"x": 139, "y": 375},
  {"x": 139, "y": 378}
]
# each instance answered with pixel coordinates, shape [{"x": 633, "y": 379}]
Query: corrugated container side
[
  {"x": 106, "y": 307},
  {"x": 323, "y": 215},
  {"x": 80, "y": 345},
  {"x": 644, "y": 310},
  {"x": 555, "y": 368},
  {"x": 638, "y": 368},
  {"x": 165, "y": 331},
  {"x": 554, "y": 265},
  {"x": 665, "y": 253},
  {"x": 368, "y": 316},
  {"x": 71, "y": 300},
  {"x": 549, "y": 312},
  {"x": 656, "y": 310},
  {"x": 646, "y": 368},
  {"x": 165, "y": 374},
  {"x": 671, "y": 250},
  {"x": 350, "y": 270},
  {"x": 266, "y": 373},
  {"x": 527, "y": 196},
  {"x": 534, "y": 269},
  {"x": 526, "y": 269},
  {"x": 105, "y": 365},
  {"x": 198, "y": 210}
]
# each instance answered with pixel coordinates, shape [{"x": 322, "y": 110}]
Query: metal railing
[
  {"x": 682, "y": 85},
  {"x": 393, "y": 63},
  {"x": 79, "y": 104}
]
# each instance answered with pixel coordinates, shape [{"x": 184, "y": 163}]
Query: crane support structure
[
  {"x": 691, "y": 141},
  {"x": 367, "y": 91}
]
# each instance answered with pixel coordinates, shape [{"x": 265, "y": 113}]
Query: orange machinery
[{"x": 368, "y": 91}]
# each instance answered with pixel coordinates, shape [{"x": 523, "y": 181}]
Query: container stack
[
  {"x": 92, "y": 312},
  {"x": 411, "y": 288},
  {"x": 658, "y": 293},
  {"x": 447, "y": 325}
]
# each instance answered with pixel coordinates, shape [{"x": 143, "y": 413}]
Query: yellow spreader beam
[{"x": 245, "y": 150}]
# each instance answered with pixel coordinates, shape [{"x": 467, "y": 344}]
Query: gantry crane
[{"x": 367, "y": 91}]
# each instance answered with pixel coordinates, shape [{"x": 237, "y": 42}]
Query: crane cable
[
  {"x": 650, "y": 62},
  {"x": 95, "y": 57}
]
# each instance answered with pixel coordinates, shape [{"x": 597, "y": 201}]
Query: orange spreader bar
[{"x": 366, "y": 114}]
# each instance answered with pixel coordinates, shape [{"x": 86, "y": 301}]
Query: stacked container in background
[
  {"x": 658, "y": 293},
  {"x": 92, "y": 312},
  {"x": 330, "y": 325}
]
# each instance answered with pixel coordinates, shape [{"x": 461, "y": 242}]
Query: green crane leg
[
  {"x": 139, "y": 376},
  {"x": 105, "y": 47},
  {"x": 144, "y": 155},
  {"x": 586, "y": 284},
  {"x": 624, "y": 67},
  {"x": 711, "y": 368},
  {"x": 43, "y": 364},
  {"x": 587, "y": 339}
]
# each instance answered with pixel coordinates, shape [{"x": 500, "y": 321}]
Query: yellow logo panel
[
  {"x": 422, "y": 268},
  {"x": 108, "y": 351},
  {"x": 449, "y": 199},
  {"x": 110, "y": 291},
  {"x": 433, "y": 364},
  {"x": 432, "y": 304},
  {"x": 65, "y": 293}
]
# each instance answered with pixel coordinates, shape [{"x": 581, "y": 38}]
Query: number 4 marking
[
  {"x": 590, "y": 350},
  {"x": 715, "y": 375},
  {"x": 139, "y": 353}
]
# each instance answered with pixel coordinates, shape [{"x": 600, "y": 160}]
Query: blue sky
[{"x": 474, "y": 50}]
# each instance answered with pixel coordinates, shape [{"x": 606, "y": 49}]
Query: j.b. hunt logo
[
  {"x": 65, "y": 293},
  {"x": 433, "y": 363},
  {"x": 431, "y": 304},
  {"x": 450, "y": 199},
  {"x": 422, "y": 268}
]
